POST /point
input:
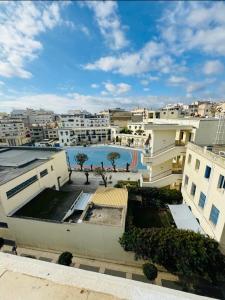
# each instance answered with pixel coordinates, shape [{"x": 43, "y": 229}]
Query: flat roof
[
  {"x": 15, "y": 161},
  {"x": 184, "y": 218},
  {"x": 49, "y": 205},
  {"x": 110, "y": 196},
  {"x": 104, "y": 215}
]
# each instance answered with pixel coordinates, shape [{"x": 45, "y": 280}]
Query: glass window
[
  {"x": 221, "y": 182},
  {"x": 186, "y": 179},
  {"x": 207, "y": 172},
  {"x": 21, "y": 187},
  {"x": 202, "y": 199},
  {"x": 44, "y": 173},
  {"x": 189, "y": 158},
  {"x": 3, "y": 225},
  {"x": 197, "y": 164},
  {"x": 214, "y": 215},
  {"x": 193, "y": 189}
]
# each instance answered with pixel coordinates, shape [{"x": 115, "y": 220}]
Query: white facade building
[{"x": 203, "y": 188}]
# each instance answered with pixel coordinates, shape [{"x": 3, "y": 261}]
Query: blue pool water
[{"x": 98, "y": 154}]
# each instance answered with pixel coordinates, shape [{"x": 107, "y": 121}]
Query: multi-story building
[
  {"x": 74, "y": 136},
  {"x": 205, "y": 109},
  {"x": 203, "y": 188},
  {"x": 31, "y": 116},
  {"x": 83, "y": 119},
  {"x": 118, "y": 117},
  {"x": 13, "y": 133}
]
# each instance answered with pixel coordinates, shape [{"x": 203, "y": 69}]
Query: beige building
[
  {"x": 13, "y": 133},
  {"x": 203, "y": 188}
]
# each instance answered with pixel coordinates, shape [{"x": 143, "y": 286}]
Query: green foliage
[
  {"x": 101, "y": 172},
  {"x": 126, "y": 130},
  {"x": 65, "y": 259},
  {"x": 184, "y": 252},
  {"x": 1, "y": 242},
  {"x": 80, "y": 159},
  {"x": 150, "y": 271},
  {"x": 112, "y": 157},
  {"x": 126, "y": 183}
]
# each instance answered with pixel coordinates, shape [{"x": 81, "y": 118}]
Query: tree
[
  {"x": 150, "y": 271},
  {"x": 87, "y": 175},
  {"x": 101, "y": 172},
  {"x": 112, "y": 157},
  {"x": 127, "y": 167},
  {"x": 65, "y": 259},
  {"x": 80, "y": 159}
]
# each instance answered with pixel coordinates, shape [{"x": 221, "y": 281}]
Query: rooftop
[
  {"x": 110, "y": 196},
  {"x": 15, "y": 161},
  {"x": 49, "y": 205},
  {"x": 104, "y": 215}
]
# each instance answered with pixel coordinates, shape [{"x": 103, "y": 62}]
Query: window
[
  {"x": 21, "y": 187},
  {"x": 221, "y": 182},
  {"x": 44, "y": 173},
  {"x": 193, "y": 189},
  {"x": 197, "y": 164},
  {"x": 202, "y": 199},
  {"x": 186, "y": 179},
  {"x": 52, "y": 169},
  {"x": 207, "y": 172},
  {"x": 3, "y": 225},
  {"x": 189, "y": 158},
  {"x": 214, "y": 215}
]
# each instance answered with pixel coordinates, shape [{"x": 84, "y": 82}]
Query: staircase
[{"x": 163, "y": 179}]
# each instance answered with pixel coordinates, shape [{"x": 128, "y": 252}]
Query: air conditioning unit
[{"x": 222, "y": 153}]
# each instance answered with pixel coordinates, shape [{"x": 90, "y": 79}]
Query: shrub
[
  {"x": 1, "y": 242},
  {"x": 65, "y": 259},
  {"x": 150, "y": 271},
  {"x": 181, "y": 251}
]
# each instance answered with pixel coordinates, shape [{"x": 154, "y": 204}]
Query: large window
[
  {"x": 189, "y": 158},
  {"x": 193, "y": 189},
  {"x": 44, "y": 173},
  {"x": 214, "y": 215},
  {"x": 202, "y": 199},
  {"x": 186, "y": 179},
  {"x": 207, "y": 172},
  {"x": 221, "y": 182},
  {"x": 21, "y": 187}
]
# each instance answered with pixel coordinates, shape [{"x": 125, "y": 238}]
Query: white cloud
[
  {"x": 212, "y": 67},
  {"x": 195, "y": 87},
  {"x": 108, "y": 22},
  {"x": 116, "y": 89},
  {"x": 20, "y": 25},
  {"x": 146, "y": 89},
  {"x": 177, "y": 80},
  {"x": 94, "y": 85}
]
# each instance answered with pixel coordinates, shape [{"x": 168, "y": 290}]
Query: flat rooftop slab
[
  {"x": 104, "y": 215},
  {"x": 49, "y": 205}
]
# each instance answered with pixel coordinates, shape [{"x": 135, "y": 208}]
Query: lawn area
[{"x": 150, "y": 217}]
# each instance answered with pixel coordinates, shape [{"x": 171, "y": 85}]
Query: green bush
[
  {"x": 65, "y": 259},
  {"x": 181, "y": 251},
  {"x": 150, "y": 271}
]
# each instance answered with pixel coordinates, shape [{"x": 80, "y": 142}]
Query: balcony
[{"x": 162, "y": 179}]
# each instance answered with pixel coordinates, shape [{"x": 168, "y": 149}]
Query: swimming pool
[{"x": 98, "y": 154}]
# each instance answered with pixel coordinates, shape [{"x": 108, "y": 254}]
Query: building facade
[{"x": 13, "y": 133}]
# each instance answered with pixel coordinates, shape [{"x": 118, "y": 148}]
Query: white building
[
  {"x": 203, "y": 188},
  {"x": 83, "y": 119},
  {"x": 32, "y": 116},
  {"x": 13, "y": 133}
]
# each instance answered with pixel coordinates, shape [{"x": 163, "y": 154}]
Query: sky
[{"x": 96, "y": 55}]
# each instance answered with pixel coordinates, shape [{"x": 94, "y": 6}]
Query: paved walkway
[{"x": 93, "y": 265}]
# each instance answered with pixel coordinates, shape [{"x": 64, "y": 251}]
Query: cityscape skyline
[{"x": 95, "y": 55}]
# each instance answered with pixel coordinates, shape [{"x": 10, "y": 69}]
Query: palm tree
[
  {"x": 80, "y": 159},
  {"x": 127, "y": 167},
  {"x": 87, "y": 175},
  {"x": 101, "y": 172},
  {"x": 112, "y": 157}
]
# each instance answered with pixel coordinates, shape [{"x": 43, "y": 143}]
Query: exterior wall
[
  {"x": 214, "y": 195},
  {"x": 60, "y": 169},
  {"x": 206, "y": 133},
  {"x": 13, "y": 133},
  {"x": 86, "y": 239},
  {"x": 162, "y": 139}
]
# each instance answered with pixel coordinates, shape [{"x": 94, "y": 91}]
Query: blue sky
[{"x": 95, "y": 55}]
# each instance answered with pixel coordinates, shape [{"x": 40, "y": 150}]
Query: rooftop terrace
[{"x": 49, "y": 205}]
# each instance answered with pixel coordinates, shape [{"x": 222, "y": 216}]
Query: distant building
[
  {"x": 32, "y": 116},
  {"x": 13, "y": 133}
]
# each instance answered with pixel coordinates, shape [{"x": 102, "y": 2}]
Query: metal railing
[{"x": 168, "y": 147}]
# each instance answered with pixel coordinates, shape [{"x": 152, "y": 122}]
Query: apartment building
[
  {"x": 32, "y": 116},
  {"x": 13, "y": 133},
  {"x": 203, "y": 188},
  {"x": 83, "y": 119},
  {"x": 76, "y": 136},
  {"x": 117, "y": 116}
]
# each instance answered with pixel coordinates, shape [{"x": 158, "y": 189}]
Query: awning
[
  {"x": 184, "y": 218},
  {"x": 83, "y": 201}
]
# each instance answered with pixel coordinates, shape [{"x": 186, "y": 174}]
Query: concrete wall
[
  {"x": 214, "y": 195},
  {"x": 162, "y": 138},
  {"x": 86, "y": 239}
]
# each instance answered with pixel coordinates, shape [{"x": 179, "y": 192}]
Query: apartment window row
[
  {"x": 21, "y": 186},
  {"x": 44, "y": 173}
]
